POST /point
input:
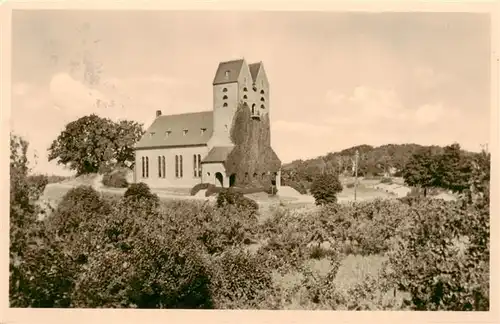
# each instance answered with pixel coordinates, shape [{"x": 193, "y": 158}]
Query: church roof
[
  {"x": 178, "y": 130},
  {"x": 218, "y": 154},
  {"x": 254, "y": 69},
  {"x": 232, "y": 67}
]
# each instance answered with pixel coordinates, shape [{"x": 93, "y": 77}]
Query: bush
[
  {"x": 233, "y": 197},
  {"x": 240, "y": 280},
  {"x": 38, "y": 184},
  {"x": 198, "y": 187},
  {"x": 325, "y": 188},
  {"x": 442, "y": 257},
  {"x": 386, "y": 180},
  {"x": 211, "y": 190},
  {"x": 299, "y": 186},
  {"x": 115, "y": 179}
]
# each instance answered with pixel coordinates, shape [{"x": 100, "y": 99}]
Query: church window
[
  {"x": 176, "y": 166},
  {"x": 163, "y": 167},
  {"x": 227, "y": 74},
  {"x": 225, "y": 104},
  {"x": 245, "y": 97},
  {"x": 197, "y": 165},
  {"x": 245, "y": 89},
  {"x": 184, "y": 132},
  {"x": 224, "y": 90},
  {"x": 262, "y": 99},
  {"x": 167, "y": 133},
  {"x": 262, "y": 106},
  {"x": 147, "y": 167},
  {"x": 224, "y": 98},
  {"x": 151, "y": 134},
  {"x": 159, "y": 167},
  {"x": 143, "y": 164},
  {"x": 253, "y": 109},
  {"x": 255, "y": 175},
  {"x": 203, "y": 130},
  {"x": 180, "y": 166},
  {"x": 262, "y": 92},
  {"x": 225, "y": 126}
]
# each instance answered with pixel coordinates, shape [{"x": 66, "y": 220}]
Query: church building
[{"x": 187, "y": 149}]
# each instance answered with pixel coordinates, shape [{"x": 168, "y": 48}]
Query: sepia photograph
[{"x": 250, "y": 160}]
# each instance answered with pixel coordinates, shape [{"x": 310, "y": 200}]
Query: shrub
[
  {"x": 325, "y": 188},
  {"x": 115, "y": 179},
  {"x": 233, "y": 197},
  {"x": 38, "y": 184},
  {"x": 198, "y": 187},
  {"x": 299, "y": 186},
  {"x": 442, "y": 257},
  {"x": 211, "y": 190},
  {"x": 386, "y": 180},
  {"x": 138, "y": 191},
  {"x": 240, "y": 279}
]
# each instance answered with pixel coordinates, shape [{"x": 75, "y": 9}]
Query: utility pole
[{"x": 356, "y": 173}]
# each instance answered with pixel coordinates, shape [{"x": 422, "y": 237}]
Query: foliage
[
  {"x": 325, "y": 189},
  {"x": 232, "y": 197},
  {"x": 93, "y": 144},
  {"x": 240, "y": 279},
  {"x": 198, "y": 187},
  {"x": 442, "y": 256},
  {"x": 422, "y": 170},
  {"x": 386, "y": 180},
  {"x": 299, "y": 186},
  {"x": 252, "y": 158},
  {"x": 454, "y": 169},
  {"x": 115, "y": 179}
]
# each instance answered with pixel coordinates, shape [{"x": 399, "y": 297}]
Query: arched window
[
  {"x": 164, "y": 167},
  {"x": 199, "y": 165},
  {"x": 159, "y": 167},
  {"x": 262, "y": 99},
  {"x": 262, "y": 106},
  {"x": 143, "y": 167},
  {"x": 245, "y": 97},
  {"x": 262, "y": 92},
  {"x": 225, "y": 104},
  {"x": 245, "y": 89},
  {"x": 253, "y": 109},
  {"x": 147, "y": 167},
  {"x": 180, "y": 166},
  {"x": 255, "y": 175},
  {"x": 225, "y": 97},
  {"x": 176, "y": 166},
  {"x": 224, "y": 90}
]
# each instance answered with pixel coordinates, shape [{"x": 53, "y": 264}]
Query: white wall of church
[
  {"x": 154, "y": 180},
  {"x": 209, "y": 174}
]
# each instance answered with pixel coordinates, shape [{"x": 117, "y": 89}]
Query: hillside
[{"x": 373, "y": 161}]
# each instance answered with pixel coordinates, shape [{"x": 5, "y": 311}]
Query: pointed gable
[
  {"x": 228, "y": 72},
  {"x": 254, "y": 69}
]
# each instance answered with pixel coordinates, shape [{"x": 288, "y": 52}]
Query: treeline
[{"x": 382, "y": 161}]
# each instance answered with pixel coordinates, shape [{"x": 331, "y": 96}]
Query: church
[{"x": 227, "y": 146}]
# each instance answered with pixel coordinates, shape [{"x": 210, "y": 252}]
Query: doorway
[{"x": 220, "y": 178}]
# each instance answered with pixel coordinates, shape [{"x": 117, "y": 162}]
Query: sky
[{"x": 336, "y": 79}]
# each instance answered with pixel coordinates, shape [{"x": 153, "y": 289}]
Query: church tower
[{"x": 237, "y": 82}]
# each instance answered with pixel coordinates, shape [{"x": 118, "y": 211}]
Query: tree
[
  {"x": 455, "y": 169},
  {"x": 325, "y": 188},
  {"x": 94, "y": 144},
  {"x": 421, "y": 170}
]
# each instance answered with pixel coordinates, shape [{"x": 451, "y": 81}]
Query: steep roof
[
  {"x": 254, "y": 69},
  {"x": 156, "y": 135},
  {"x": 217, "y": 154},
  {"x": 233, "y": 67}
]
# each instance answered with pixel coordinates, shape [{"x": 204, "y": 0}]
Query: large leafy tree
[
  {"x": 94, "y": 144},
  {"x": 422, "y": 170},
  {"x": 455, "y": 169}
]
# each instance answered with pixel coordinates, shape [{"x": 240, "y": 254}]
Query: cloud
[{"x": 429, "y": 79}]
